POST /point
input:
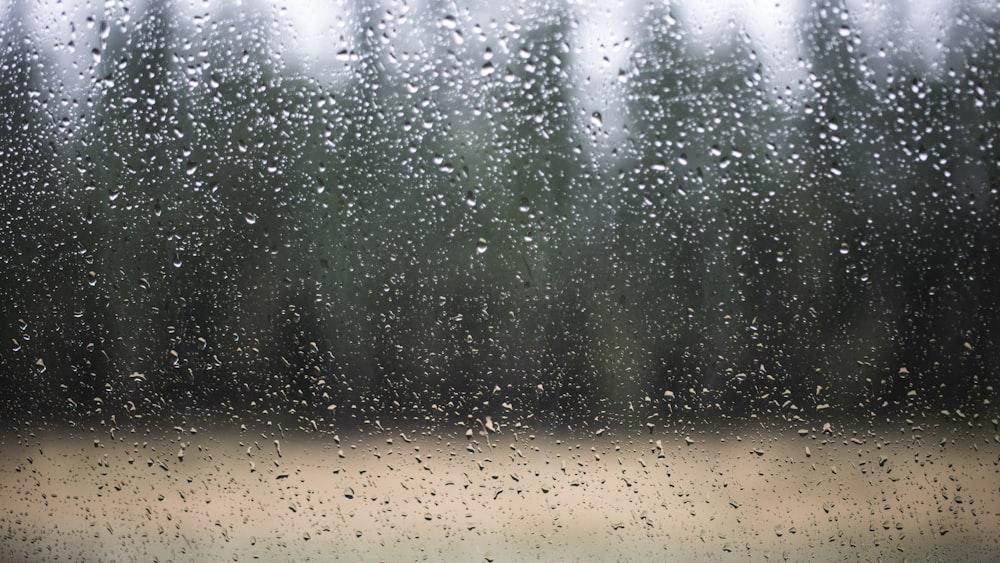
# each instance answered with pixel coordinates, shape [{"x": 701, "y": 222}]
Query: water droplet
[
  {"x": 192, "y": 167},
  {"x": 844, "y": 248},
  {"x": 40, "y": 366},
  {"x": 250, "y": 217},
  {"x": 449, "y": 22},
  {"x": 481, "y": 246},
  {"x": 91, "y": 278},
  {"x": 844, "y": 31},
  {"x": 596, "y": 119}
]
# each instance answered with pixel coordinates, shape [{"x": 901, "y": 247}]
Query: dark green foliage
[{"x": 431, "y": 228}]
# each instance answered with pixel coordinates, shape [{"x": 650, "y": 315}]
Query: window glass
[{"x": 380, "y": 279}]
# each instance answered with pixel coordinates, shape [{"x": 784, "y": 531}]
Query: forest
[{"x": 546, "y": 213}]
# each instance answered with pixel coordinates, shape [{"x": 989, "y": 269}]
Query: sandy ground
[{"x": 898, "y": 494}]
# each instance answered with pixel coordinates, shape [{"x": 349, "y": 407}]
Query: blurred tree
[
  {"x": 45, "y": 262},
  {"x": 693, "y": 220}
]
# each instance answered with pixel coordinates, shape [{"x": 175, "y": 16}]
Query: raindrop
[{"x": 481, "y": 246}]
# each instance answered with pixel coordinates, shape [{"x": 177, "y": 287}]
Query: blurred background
[{"x": 563, "y": 212}]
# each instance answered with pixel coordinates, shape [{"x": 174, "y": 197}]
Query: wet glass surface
[{"x": 393, "y": 280}]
